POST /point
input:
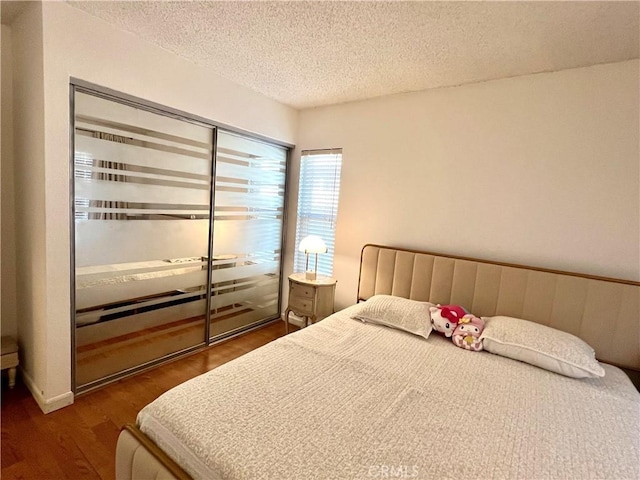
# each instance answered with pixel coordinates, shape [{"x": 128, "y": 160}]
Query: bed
[{"x": 348, "y": 399}]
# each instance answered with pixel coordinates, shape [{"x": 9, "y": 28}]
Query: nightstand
[
  {"x": 310, "y": 299},
  {"x": 10, "y": 358}
]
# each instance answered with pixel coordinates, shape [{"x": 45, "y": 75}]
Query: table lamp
[{"x": 312, "y": 244}]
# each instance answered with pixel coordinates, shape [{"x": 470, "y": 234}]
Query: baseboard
[{"x": 46, "y": 405}]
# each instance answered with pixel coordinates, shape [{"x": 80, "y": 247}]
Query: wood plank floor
[{"x": 79, "y": 441}]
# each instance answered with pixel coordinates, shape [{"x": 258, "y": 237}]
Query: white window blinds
[
  {"x": 82, "y": 170},
  {"x": 318, "y": 193}
]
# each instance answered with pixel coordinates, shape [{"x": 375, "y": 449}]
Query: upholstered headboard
[{"x": 604, "y": 312}]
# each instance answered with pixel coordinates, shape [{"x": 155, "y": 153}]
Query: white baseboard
[{"x": 46, "y": 405}]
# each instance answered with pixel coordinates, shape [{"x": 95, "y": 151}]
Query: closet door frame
[{"x": 77, "y": 85}]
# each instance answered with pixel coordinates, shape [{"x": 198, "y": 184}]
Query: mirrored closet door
[
  {"x": 144, "y": 190},
  {"x": 247, "y": 238},
  {"x": 142, "y": 200}
]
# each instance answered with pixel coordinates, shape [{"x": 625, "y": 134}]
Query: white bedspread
[{"x": 346, "y": 400}]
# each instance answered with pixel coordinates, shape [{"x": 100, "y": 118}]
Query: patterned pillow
[
  {"x": 539, "y": 345},
  {"x": 397, "y": 312}
]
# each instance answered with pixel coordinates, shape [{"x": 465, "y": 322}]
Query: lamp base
[{"x": 310, "y": 275}]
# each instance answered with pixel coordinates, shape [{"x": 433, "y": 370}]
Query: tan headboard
[{"x": 604, "y": 312}]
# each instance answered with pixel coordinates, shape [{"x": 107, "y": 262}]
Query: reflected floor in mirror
[{"x": 101, "y": 358}]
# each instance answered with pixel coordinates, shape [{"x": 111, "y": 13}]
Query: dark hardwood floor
[{"x": 79, "y": 441}]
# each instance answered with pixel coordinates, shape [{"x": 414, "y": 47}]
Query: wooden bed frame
[{"x": 605, "y": 312}]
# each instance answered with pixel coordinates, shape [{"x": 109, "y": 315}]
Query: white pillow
[
  {"x": 539, "y": 345},
  {"x": 397, "y": 312}
]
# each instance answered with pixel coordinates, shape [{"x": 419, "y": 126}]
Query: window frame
[{"x": 318, "y": 201}]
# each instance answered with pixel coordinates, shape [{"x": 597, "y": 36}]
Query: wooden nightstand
[
  {"x": 310, "y": 299},
  {"x": 10, "y": 358}
]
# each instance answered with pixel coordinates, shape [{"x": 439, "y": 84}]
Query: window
[
  {"x": 82, "y": 169},
  {"x": 318, "y": 204}
]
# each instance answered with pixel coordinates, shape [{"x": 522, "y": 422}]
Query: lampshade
[{"x": 312, "y": 244}]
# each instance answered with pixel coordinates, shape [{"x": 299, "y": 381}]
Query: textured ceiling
[{"x": 306, "y": 54}]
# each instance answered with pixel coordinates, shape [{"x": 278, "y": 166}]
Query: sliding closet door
[
  {"x": 142, "y": 230},
  {"x": 247, "y": 232}
]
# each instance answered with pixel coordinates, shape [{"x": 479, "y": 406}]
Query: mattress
[{"x": 346, "y": 400}]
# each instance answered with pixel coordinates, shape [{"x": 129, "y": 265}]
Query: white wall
[
  {"x": 28, "y": 125},
  {"x": 541, "y": 170},
  {"x": 79, "y": 45}
]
